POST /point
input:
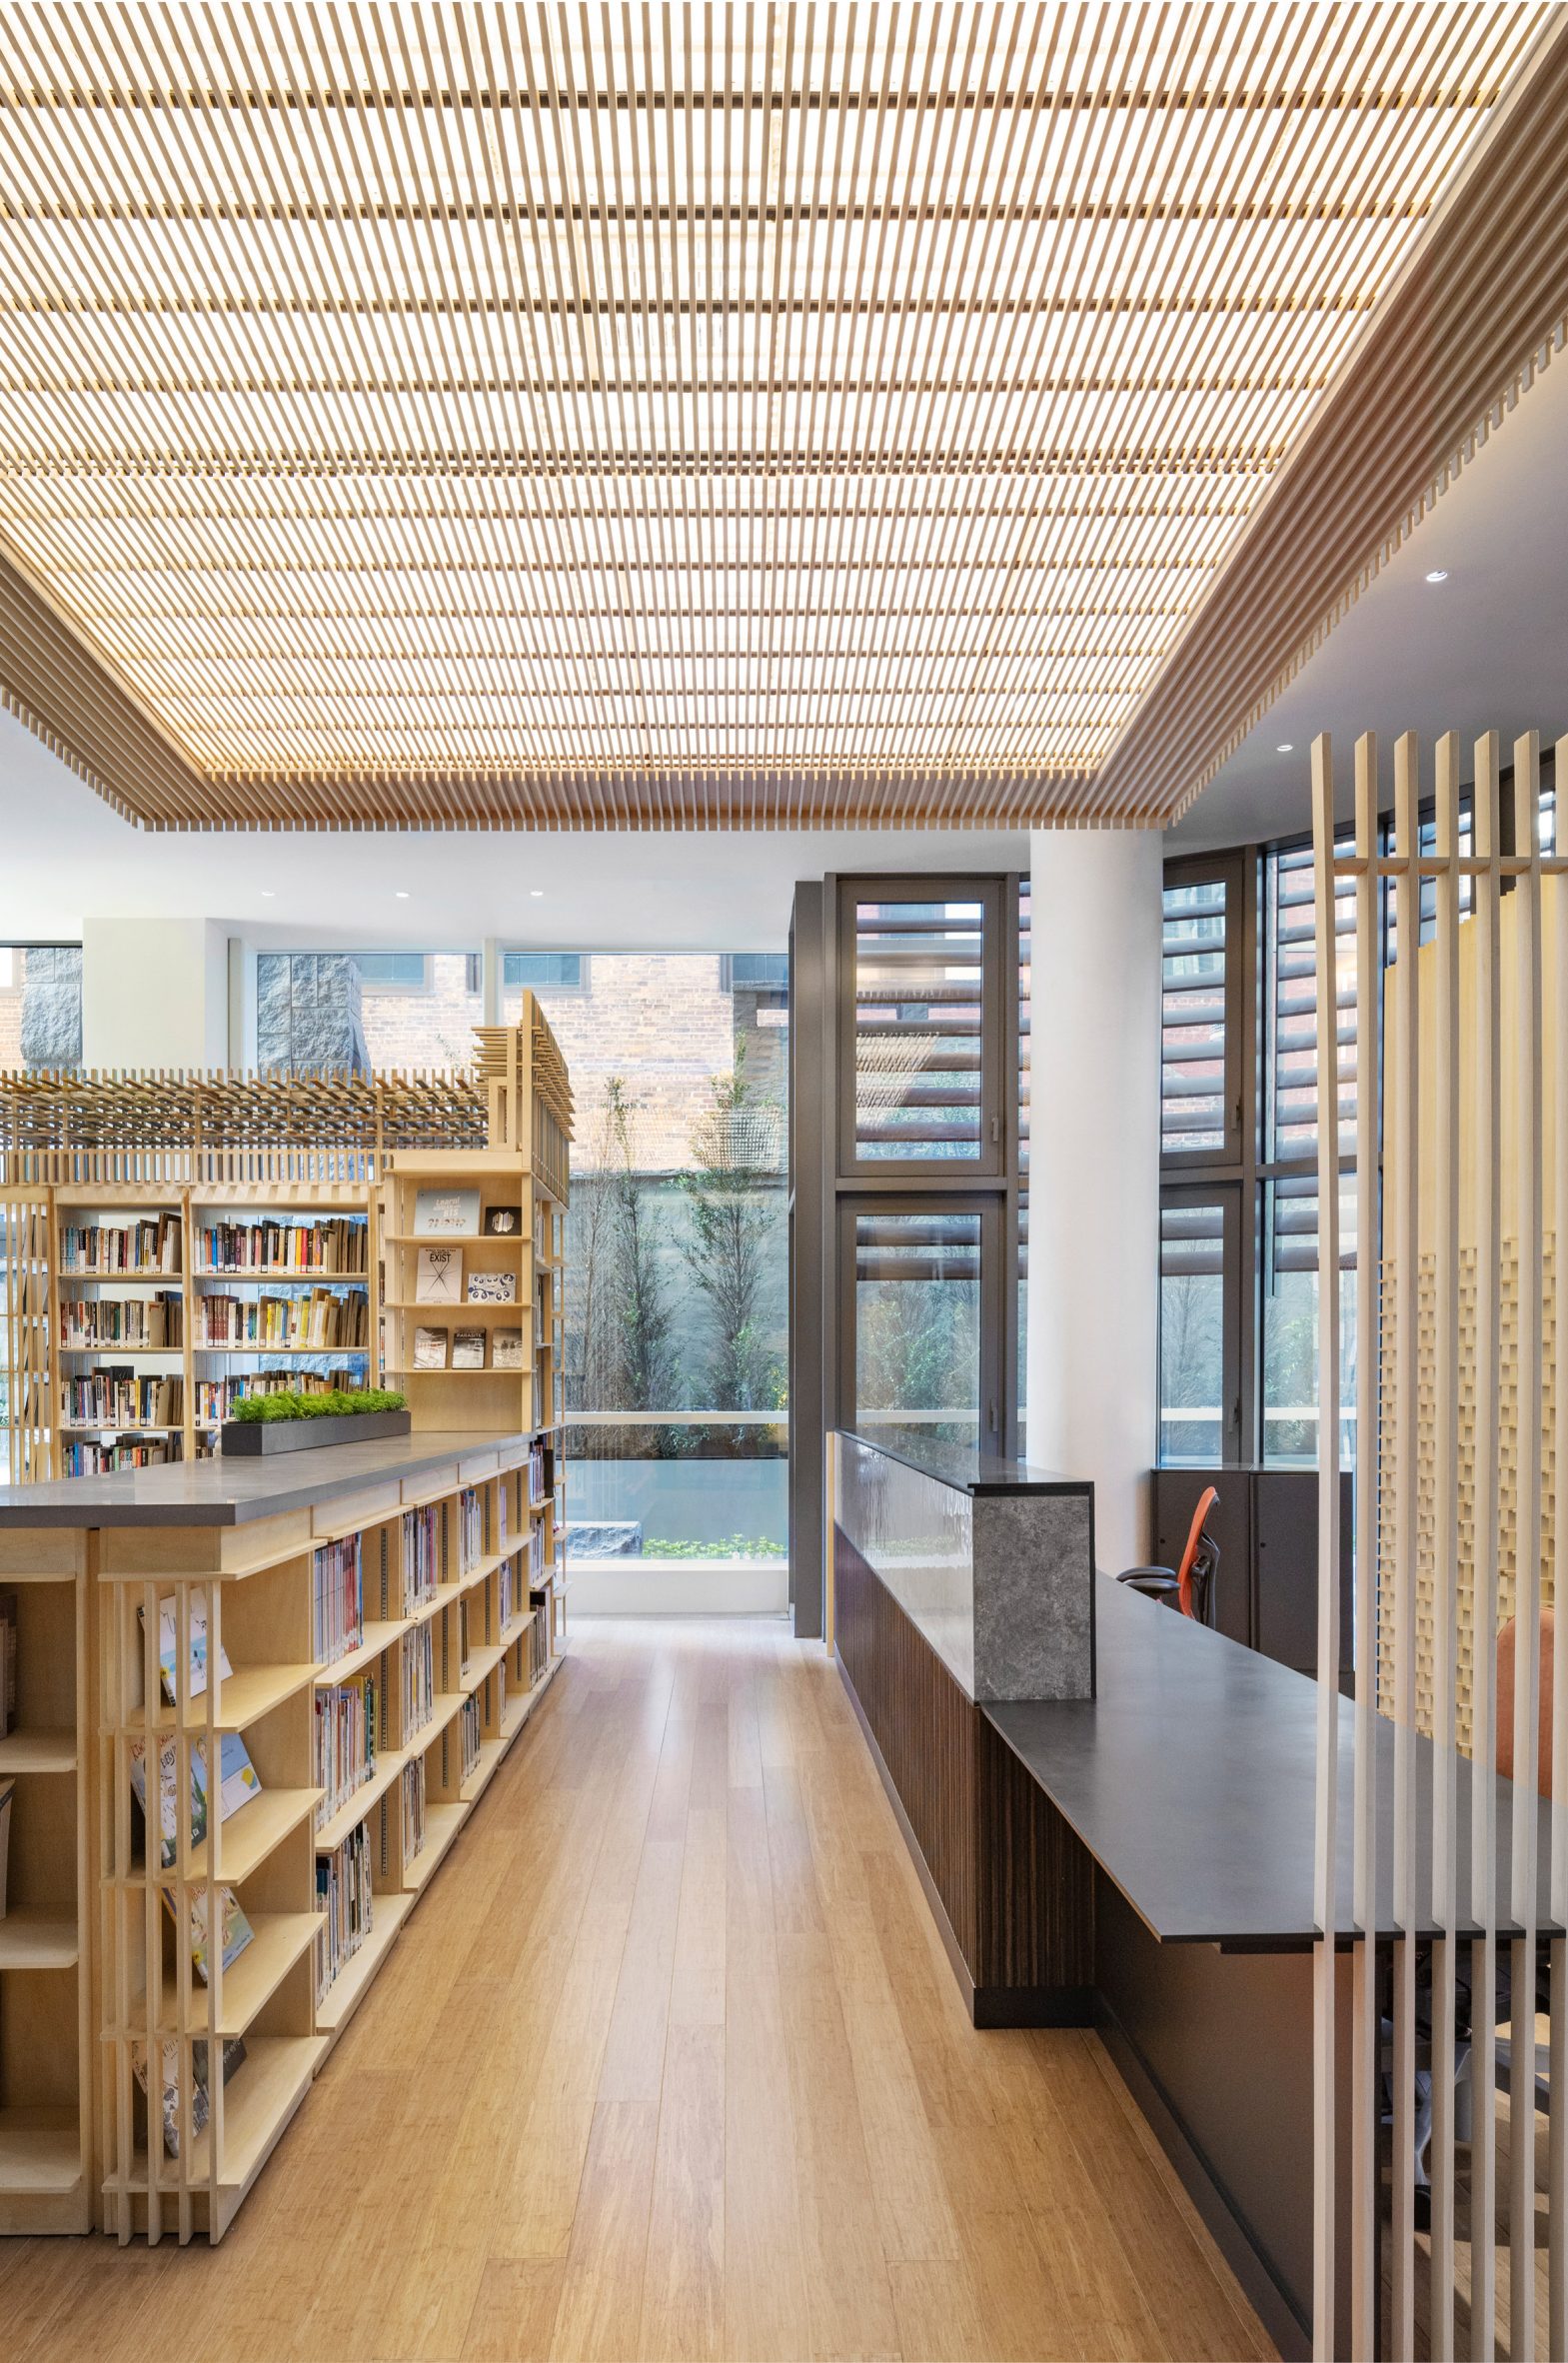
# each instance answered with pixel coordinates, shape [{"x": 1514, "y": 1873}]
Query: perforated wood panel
[{"x": 1507, "y": 1524}]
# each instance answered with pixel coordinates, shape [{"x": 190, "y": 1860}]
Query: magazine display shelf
[{"x": 180, "y": 2145}]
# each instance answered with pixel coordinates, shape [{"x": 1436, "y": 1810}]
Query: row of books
[
  {"x": 419, "y": 1679},
  {"x": 324, "y": 1319},
  {"x": 466, "y": 1350},
  {"x": 150, "y": 1245},
  {"x": 216, "y": 1397},
  {"x": 540, "y": 1474},
  {"x": 469, "y": 1721},
  {"x": 342, "y": 1742},
  {"x": 420, "y": 1557},
  {"x": 88, "y": 1456},
  {"x": 332, "y": 1244},
  {"x": 119, "y": 1396},
  {"x": 412, "y": 1809},
  {"x": 537, "y": 1571},
  {"x": 539, "y": 1641},
  {"x": 506, "y": 1592},
  {"x": 144, "y": 1323},
  {"x": 343, "y": 1892},
  {"x": 337, "y": 1599},
  {"x": 470, "y": 1529}
]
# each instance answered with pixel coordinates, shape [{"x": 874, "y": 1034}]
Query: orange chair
[
  {"x": 1507, "y": 1639},
  {"x": 1189, "y": 1589}
]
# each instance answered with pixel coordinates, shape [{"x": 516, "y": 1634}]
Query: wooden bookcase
[
  {"x": 252, "y": 1588},
  {"x": 45, "y": 2000},
  {"x": 192, "y": 1358}
]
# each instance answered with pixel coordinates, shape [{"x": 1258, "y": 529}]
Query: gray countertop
[
  {"x": 964, "y": 1468},
  {"x": 1191, "y": 1779},
  {"x": 235, "y": 1493}
]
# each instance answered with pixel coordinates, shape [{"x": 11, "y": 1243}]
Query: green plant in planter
[{"x": 337, "y": 1404}]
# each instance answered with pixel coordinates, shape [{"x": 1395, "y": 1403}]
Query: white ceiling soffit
[{"x": 490, "y": 416}]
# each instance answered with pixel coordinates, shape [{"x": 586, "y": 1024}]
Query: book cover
[
  {"x": 167, "y": 1643},
  {"x": 233, "y": 2055},
  {"x": 237, "y": 1777},
  {"x": 445, "y": 1211},
  {"x": 493, "y": 1287},
  {"x": 236, "y": 1929},
  {"x": 438, "y": 1277},
  {"x": 430, "y": 1350},
  {"x": 168, "y": 1816},
  {"x": 7, "y": 1792},
  {"x": 467, "y": 1350},
  {"x": 505, "y": 1350}
]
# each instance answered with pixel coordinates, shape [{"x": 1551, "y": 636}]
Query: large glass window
[
  {"x": 1290, "y": 1309},
  {"x": 677, "y": 1257},
  {"x": 1199, "y": 1408},
  {"x": 917, "y": 1323},
  {"x": 407, "y": 1012}
]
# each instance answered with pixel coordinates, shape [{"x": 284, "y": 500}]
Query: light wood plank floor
[{"x": 669, "y": 2063}]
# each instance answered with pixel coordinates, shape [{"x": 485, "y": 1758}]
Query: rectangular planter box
[{"x": 245, "y": 1439}]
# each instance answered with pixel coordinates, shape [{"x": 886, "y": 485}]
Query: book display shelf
[
  {"x": 45, "y": 2003},
  {"x": 344, "y": 1776}
]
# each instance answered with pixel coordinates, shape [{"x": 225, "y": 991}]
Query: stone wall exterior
[{"x": 41, "y": 1006}]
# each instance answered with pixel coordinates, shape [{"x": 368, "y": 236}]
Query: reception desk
[{"x": 1136, "y": 1855}]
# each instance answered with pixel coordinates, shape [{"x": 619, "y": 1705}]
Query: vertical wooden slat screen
[{"x": 1459, "y": 1318}]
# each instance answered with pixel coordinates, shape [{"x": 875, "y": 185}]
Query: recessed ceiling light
[
  {"x": 402, "y": 894},
  {"x": 536, "y": 891},
  {"x": 1437, "y": 574},
  {"x": 1287, "y": 748},
  {"x": 268, "y": 894}
]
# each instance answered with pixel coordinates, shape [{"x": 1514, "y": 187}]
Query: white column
[
  {"x": 1093, "y": 1290},
  {"x": 155, "y": 993}
]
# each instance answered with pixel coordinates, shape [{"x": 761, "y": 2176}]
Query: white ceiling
[
  {"x": 1487, "y": 650},
  {"x": 64, "y": 855}
]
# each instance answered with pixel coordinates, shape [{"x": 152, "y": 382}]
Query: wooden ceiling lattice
[{"x": 492, "y": 416}]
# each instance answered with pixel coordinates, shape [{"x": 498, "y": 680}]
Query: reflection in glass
[
  {"x": 917, "y": 1041},
  {"x": 917, "y": 1325}
]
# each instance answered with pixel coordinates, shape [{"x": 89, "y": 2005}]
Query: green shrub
[
  {"x": 739, "y": 1546},
  {"x": 335, "y": 1404}
]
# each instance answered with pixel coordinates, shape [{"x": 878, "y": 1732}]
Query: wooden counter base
[{"x": 1012, "y": 1888}]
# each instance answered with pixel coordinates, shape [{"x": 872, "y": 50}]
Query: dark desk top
[
  {"x": 234, "y": 1493},
  {"x": 1191, "y": 1779},
  {"x": 964, "y": 1468}
]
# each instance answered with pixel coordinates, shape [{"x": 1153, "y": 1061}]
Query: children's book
[{"x": 168, "y": 1641}]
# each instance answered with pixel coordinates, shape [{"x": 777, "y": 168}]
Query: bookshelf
[
  {"x": 45, "y": 2000},
  {"x": 444, "y": 1585},
  {"x": 169, "y": 1307}
]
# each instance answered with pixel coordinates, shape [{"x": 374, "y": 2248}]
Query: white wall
[
  {"x": 155, "y": 993},
  {"x": 1093, "y": 1290}
]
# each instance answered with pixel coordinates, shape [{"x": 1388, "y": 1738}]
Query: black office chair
[{"x": 1189, "y": 1589}]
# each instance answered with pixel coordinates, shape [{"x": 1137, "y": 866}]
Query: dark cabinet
[{"x": 1266, "y": 1527}]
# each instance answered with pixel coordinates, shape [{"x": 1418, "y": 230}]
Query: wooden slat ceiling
[{"x": 504, "y": 415}]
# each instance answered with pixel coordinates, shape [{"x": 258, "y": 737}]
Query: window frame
[
  {"x": 1230, "y": 871},
  {"x": 1229, "y": 1197},
  {"x": 583, "y": 983},
  {"x": 996, "y": 1097},
  {"x": 990, "y": 1408}
]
